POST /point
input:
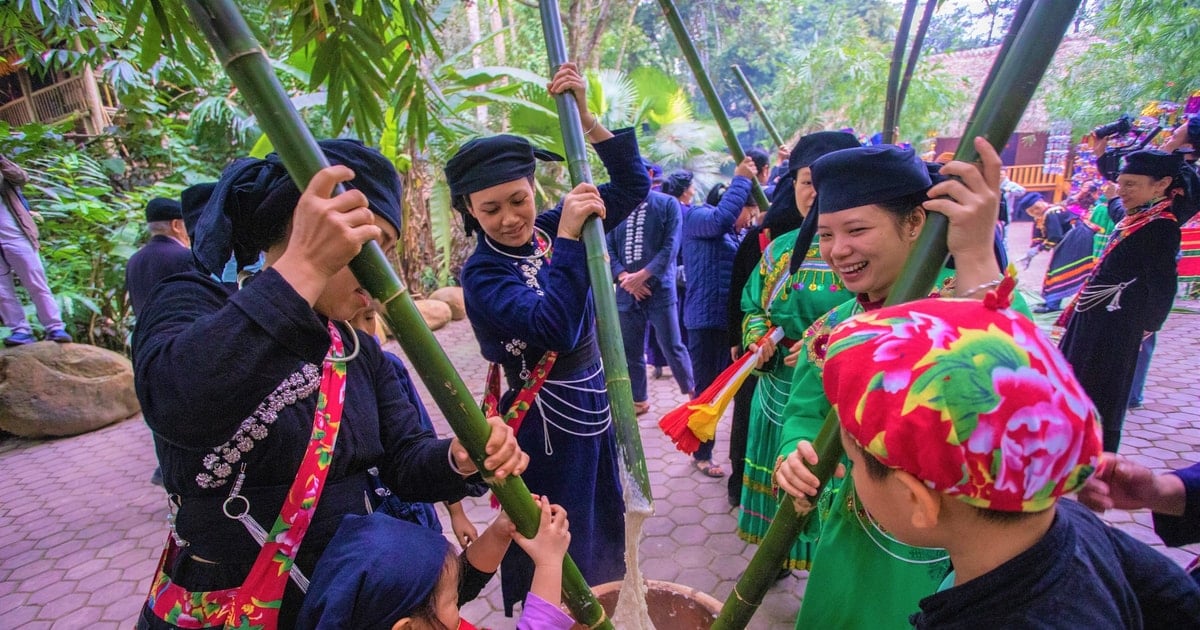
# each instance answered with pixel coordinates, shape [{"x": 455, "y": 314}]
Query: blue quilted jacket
[{"x": 709, "y": 244}]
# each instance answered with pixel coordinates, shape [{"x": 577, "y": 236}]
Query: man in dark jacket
[
  {"x": 167, "y": 253},
  {"x": 642, "y": 252}
]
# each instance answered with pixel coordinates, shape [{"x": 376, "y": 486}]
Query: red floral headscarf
[{"x": 969, "y": 396}]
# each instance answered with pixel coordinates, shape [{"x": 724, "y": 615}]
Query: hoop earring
[{"x": 330, "y": 358}]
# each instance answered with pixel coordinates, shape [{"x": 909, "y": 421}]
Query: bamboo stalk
[
  {"x": 762, "y": 113},
  {"x": 608, "y": 323},
  {"x": 891, "y": 109},
  {"x": 710, "y": 95},
  {"x": 247, "y": 65},
  {"x": 1026, "y": 55},
  {"x": 914, "y": 54}
]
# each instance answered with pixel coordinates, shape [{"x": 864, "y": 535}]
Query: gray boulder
[{"x": 50, "y": 390}]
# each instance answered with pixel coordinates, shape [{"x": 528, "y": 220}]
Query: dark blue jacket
[
  {"x": 162, "y": 256},
  {"x": 1081, "y": 574},
  {"x": 709, "y": 244},
  {"x": 1177, "y": 531},
  {"x": 648, "y": 239}
]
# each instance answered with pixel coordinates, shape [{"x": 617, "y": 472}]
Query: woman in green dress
[
  {"x": 872, "y": 204},
  {"x": 791, "y": 299}
]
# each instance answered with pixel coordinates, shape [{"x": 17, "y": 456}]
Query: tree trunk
[
  {"x": 473, "y": 31},
  {"x": 418, "y": 252}
]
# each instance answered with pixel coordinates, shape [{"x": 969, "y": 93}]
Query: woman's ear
[
  {"x": 917, "y": 220},
  {"x": 925, "y": 505},
  {"x": 403, "y": 623}
]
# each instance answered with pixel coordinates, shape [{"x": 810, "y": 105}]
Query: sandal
[
  {"x": 708, "y": 468},
  {"x": 640, "y": 408}
]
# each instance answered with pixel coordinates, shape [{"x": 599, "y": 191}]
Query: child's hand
[
  {"x": 578, "y": 205},
  {"x": 549, "y": 545},
  {"x": 464, "y": 530},
  {"x": 793, "y": 355},
  {"x": 795, "y": 477}
]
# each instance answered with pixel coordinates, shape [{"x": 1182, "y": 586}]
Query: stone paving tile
[{"x": 81, "y": 528}]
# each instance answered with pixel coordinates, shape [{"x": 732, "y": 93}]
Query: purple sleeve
[
  {"x": 1183, "y": 530},
  {"x": 538, "y": 614}
]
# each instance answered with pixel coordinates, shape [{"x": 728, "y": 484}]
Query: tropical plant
[
  {"x": 1140, "y": 56},
  {"x": 89, "y": 229}
]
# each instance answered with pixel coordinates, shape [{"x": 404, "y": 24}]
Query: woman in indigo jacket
[
  {"x": 228, "y": 382},
  {"x": 528, "y": 299}
]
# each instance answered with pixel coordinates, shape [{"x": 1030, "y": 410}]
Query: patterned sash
[
  {"x": 255, "y": 604},
  {"x": 1130, "y": 224}
]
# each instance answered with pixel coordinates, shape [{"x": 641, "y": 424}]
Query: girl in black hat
[
  {"x": 1130, "y": 291},
  {"x": 871, "y": 206},
  {"x": 527, "y": 296}
]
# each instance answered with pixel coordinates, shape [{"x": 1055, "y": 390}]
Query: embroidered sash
[
  {"x": 255, "y": 604},
  {"x": 1126, "y": 228}
]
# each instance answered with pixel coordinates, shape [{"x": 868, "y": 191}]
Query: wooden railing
[
  {"x": 48, "y": 105},
  {"x": 1033, "y": 178},
  {"x": 17, "y": 113}
]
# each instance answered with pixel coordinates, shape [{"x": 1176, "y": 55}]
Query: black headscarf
[
  {"x": 677, "y": 182},
  {"x": 485, "y": 162},
  {"x": 249, "y": 208}
]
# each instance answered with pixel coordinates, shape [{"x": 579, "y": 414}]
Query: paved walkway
[{"x": 81, "y": 527}]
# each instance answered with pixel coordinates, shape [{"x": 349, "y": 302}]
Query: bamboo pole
[
  {"x": 1026, "y": 55},
  {"x": 710, "y": 95},
  {"x": 891, "y": 109},
  {"x": 608, "y": 323},
  {"x": 914, "y": 54},
  {"x": 247, "y": 66},
  {"x": 762, "y": 113}
]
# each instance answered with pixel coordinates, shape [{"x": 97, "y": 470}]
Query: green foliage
[
  {"x": 88, "y": 228},
  {"x": 1144, "y": 56},
  {"x": 840, "y": 80}
]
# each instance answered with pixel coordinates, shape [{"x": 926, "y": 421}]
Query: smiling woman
[
  {"x": 528, "y": 299},
  {"x": 871, "y": 205}
]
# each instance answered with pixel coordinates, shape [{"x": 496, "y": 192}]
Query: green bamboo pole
[
  {"x": 249, "y": 69},
  {"x": 608, "y": 323},
  {"x": 914, "y": 54},
  {"x": 891, "y": 110},
  {"x": 1002, "y": 101},
  {"x": 762, "y": 113},
  {"x": 710, "y": 95}
]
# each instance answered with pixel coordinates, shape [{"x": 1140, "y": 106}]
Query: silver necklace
[{"x": 539, "y": 251}]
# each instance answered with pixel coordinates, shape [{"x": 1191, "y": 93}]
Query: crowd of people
[{"x": 301, "y": 464}]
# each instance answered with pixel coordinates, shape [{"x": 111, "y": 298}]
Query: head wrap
[
  {"x": 1152, "y": 163},
  {"x": 968, "y": 396},
  {"x": 714, "y": 194},
  {"x": 818, "y": 144},
  {"x": 163, "y": 209},
  {"x": 254, "y": 200},
  {"x": 860, "y": 176},
  {"x": 1028, "y": 200},
  {"x": 192, "y": 201},
  {"x": 654, "y": 170},
  {"x": 376, "y": 571},
  {"x": 677, "y": 182},
  {"x": 491, "y": 161},
  {"x": 760, "y": 158}
]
